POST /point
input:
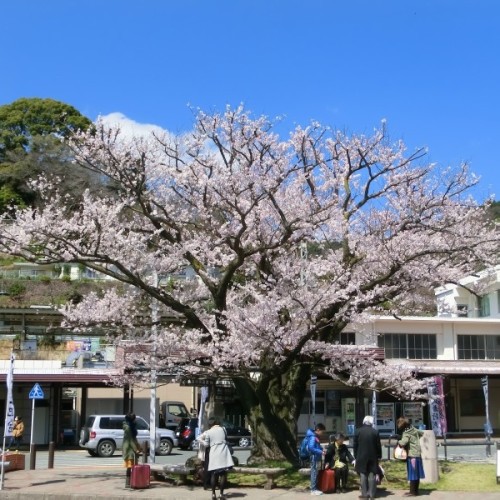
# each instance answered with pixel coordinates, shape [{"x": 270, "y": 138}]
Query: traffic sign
[{"x": 37, "y": 392}]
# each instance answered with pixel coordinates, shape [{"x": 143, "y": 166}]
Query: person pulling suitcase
[{"x": 130, "y": 447}]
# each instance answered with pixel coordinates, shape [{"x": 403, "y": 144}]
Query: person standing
[
  {"x": 316, "y": 453},
  {"x": 367, "y": 450},
  {"x": 219, "y": 459},
  {"x": 17, "y": 433},
  {"x": 338, "y": 457},
  {"x": 410, "y": 440},
  {"x": 131, "y": 446}
]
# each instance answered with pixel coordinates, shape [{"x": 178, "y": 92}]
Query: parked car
[
  {"x": 103, "y": 434},
  {"x": 186, "y": 433}
]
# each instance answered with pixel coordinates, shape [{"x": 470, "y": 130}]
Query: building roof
[
  {"x": 66, "y": 375},
  {"x": 52, "y": 371},
  {"x": 450, "y": 367}
]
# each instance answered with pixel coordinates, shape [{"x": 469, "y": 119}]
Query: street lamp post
[{"x": 152, "y": 407}]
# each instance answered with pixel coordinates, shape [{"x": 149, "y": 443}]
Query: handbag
[
  {"x": 201, "y": 451},
  {"x": 230, "y": 448},
  {"x": 380, "y": 474},
  {"x": 400, "y": 453}
]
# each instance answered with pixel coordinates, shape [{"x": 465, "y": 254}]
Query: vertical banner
[
  {"x": 201, "y": 413},
  {"x": 374, "y": 409},
  {"x": 314, "y": 380},
  {"x": 487, "y": 426},
  {"x": 10, "y": 411},
  {"x": 437, "y": 412},
  {"x": 9, "y": 414}
]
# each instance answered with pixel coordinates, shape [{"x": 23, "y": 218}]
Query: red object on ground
[
  {"x": 326, "y": 480},
  {"x": 140, "y": 477},
  {"x": 15, "y": 460}
]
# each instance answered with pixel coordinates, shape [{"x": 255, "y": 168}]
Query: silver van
[{"x": 103, "y": 434}]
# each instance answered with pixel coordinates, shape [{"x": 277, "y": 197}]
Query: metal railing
[
  {"x": 487, "y": 442},
  {"x": 447, "y": 442}
]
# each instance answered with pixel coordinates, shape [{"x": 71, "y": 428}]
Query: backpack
[{"x": 304, "y": 449}]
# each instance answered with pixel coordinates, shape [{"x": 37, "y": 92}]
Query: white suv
[{"x": 103, "y": 434}]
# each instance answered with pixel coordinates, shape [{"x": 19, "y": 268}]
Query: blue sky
[{"x": 431, "y": 68}]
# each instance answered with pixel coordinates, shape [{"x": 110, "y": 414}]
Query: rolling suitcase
[
  {"x": 326, "y": 480},
  {"x": 140, "y": 476}
]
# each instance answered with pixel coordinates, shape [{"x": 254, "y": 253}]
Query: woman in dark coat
[{"x": 367, "y": 450}]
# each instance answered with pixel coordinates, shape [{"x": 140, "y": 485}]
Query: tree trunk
[{"x": 272, "y": 404}]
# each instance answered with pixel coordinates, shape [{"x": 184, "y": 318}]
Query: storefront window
[
  {"x": 333, "y": 408},
  {"x": 472, "y": 403},
  {"x": 307, "y": 409}
]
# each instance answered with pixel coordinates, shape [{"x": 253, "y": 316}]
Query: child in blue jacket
[{"x": 316, "y": 452}]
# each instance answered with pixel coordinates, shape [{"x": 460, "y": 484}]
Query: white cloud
[{"x": 130, "y": 127}]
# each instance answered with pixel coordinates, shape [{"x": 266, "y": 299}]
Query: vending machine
[
  {"x": 385, "y": 420},
  {"x": 349, "y": 415},
  {"x": 414, "y": 413}
]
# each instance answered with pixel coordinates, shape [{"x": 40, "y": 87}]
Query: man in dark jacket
[{"x": 367, "y": 452}]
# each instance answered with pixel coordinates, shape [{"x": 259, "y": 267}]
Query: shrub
[{"x": 16, "y": 290}]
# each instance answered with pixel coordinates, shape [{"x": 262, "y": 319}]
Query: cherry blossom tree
[{"x": 289, "y": 242}]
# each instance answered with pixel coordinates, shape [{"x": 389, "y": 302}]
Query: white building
[{"x": 461, "y": 346}]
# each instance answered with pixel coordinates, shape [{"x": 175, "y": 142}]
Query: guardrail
[
  {"x": 390, "y": 446},
  {"x": 446, "y": 442},
  {"x": 487, "y": 442}
]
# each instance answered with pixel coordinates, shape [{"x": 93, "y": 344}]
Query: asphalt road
[{"x": 81, "y": 458}]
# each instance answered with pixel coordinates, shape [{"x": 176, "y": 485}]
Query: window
[
  {"x": 141, "y": 424},
  {"x": 104, "y": 423},
  {"x": 345, "y": 338},
  {"x": 484, "y": 306},
  {"x": 177, "y": 410},
  {"x": 319, "y": 403},
  {"x": 478, "y": 346},
  {"x": 472, "y": 403},
  {"x": 408, "y": 345},
  {"x": 89, "y": 273},
  {"x": 116, "y": 423}
]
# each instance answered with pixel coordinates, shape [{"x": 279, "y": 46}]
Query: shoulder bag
[{"x": 400, "y": 453}]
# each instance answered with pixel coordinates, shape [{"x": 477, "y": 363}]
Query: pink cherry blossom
[{"x": 265, "y": 248}]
